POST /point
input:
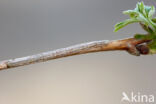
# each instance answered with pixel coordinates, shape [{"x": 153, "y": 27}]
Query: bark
[{"x": 128, "y": 45}]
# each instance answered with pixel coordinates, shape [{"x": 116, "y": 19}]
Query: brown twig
[{"x": 95, "y": 46}]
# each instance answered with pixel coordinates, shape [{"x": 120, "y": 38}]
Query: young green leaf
[
  {"x": 131, "y": 13},
  {"x": 151, "y": 12},
  {"x": 145, "y": 37},
  {"x": 124, "y": 23}
]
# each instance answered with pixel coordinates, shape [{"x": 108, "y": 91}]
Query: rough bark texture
[{"x": 95, "y": 46}]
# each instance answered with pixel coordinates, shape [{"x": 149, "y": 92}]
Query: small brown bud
[{"x": 143, "y": 49}]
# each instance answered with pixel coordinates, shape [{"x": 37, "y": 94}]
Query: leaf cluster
[{"x": 144, "y": 15}]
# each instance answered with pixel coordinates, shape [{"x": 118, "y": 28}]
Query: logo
[{"x": 137, "y": 98}]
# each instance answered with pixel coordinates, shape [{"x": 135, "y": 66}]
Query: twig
[{"x": 95, "y": 46}]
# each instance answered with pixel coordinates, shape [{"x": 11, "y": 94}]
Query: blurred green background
[{"x": 32, "y": 26}]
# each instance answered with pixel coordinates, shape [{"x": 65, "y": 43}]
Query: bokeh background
[{"x": 32, "y": 26}]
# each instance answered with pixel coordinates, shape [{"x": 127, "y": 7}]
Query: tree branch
[{"x": 95, "y": 46}]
